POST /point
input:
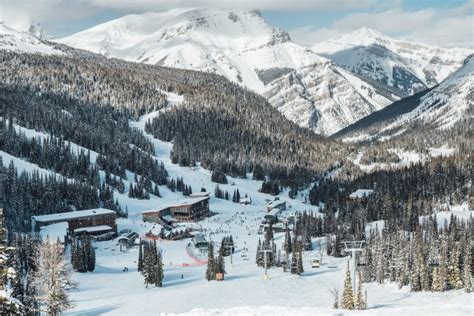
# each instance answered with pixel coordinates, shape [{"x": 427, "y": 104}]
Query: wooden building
[
  {"x": 186, "y": 210},
  {"x": 78, "y": 220}
]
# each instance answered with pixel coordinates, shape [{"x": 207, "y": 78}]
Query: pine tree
[
  {"x": 149, "y": 265},
  {"x": 436, "y": 284},
  {"x": 347, "y": 294},
  {"x": 52, "y": 278},
  {"x": 454, "y": 278},
  {"x": 466, "y": 272},
  {"x": 443, "y": 265},
  {"x": 220, "y": 263},
  {"x": 140, "y": 257},
  {"x": 294, "y": 263},
  {"x": 300, "y": 261},
  {"x": 287, "y": 243},
  {"x": 211, "y": 269},
  {"x": 91, "y": 255},
  {"x": 359, "y": 299},
  {"x": 159, "y": 270}
]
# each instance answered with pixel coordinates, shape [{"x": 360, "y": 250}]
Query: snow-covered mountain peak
[
  {"x": 365, "y": 36},
  {"x": 216, "y": 27},
  {"x": 241, "y": 46},
  {"x": 407, "y": 67},
  {"x": 25, "y": 42},
  {"x": 446, "y": 106}
]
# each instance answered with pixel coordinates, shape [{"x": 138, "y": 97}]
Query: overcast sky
[{"x": 441, "y": 22}]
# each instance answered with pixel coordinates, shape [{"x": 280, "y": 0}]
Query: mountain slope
[
  {"x": 307, "y": 88},
  {"x": 407, "y": 67},
  {"x": 257, "y": 134},
  {"x": 25, "y": 42},
  {"x": 446, "y": 106}
]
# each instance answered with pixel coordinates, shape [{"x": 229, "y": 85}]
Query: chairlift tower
[
  {"x": 354, "y": 247},
  {"x": 265, "y": 249},
  {"x": 231, "y": 247}
]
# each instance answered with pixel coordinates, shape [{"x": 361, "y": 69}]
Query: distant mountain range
[
  {"x": 307, "y": 88},
  {"x": 439, "y": 108},
  {"x": 325, "y": 88}
]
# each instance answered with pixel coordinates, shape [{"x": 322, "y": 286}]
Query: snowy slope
[
  {"x": 441, "y": 108},
  {"x": 407, "y": 67},
  {"x": 110, "y": 291},
  {"x": 240, "y": 45},
  {"x": 24, "y": 42}
]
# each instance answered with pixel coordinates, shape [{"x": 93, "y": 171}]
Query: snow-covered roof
[
  {"x": 199, "y": 239},
  {"x": 93, "y": 229},
  {"x": 60, "y": 217},
  {"x": 276, "y": 203},
  {"x": 199, "y": 194},
  {"x": 181, "y": 202},
  {"x": 360, "y": 193},
  {"x": 273, "y": 212}
]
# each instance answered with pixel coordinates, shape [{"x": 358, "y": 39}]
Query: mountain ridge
[
  {"x": 307, "y": 88},
  {"x": 407, "y": 66},
  {"x": 438, "y": 108}
]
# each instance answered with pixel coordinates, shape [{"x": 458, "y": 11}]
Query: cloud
[
  {"x": 293, "y": 5},
  {"x": 442, "y": 27},
  {"x": 20, "y": 13}
]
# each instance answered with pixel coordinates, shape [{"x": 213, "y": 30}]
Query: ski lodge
[
  {"x": 186, "y": 210},
  {"x": 94, "y": 221}
]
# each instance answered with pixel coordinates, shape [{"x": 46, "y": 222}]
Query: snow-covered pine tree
[
  {"x": 404, "y": 277},
  {"x": 359, "y": 301},
  {"x": 443, "y": 264},
  {"x": 52, "y": 279},
  {"x": 380, "y": 263},
  {"x": 436, "y": 284},
  {"x": 466, "y": 270},
  {"x": 454, "y": 276},
  {"x": 347, "y": 294}
]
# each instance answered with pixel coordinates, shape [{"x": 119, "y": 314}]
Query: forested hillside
[
  {"x": 221, "y": 124},
  {"x": 400, "y": 196},
  {"x": 83, "y": 104}
]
